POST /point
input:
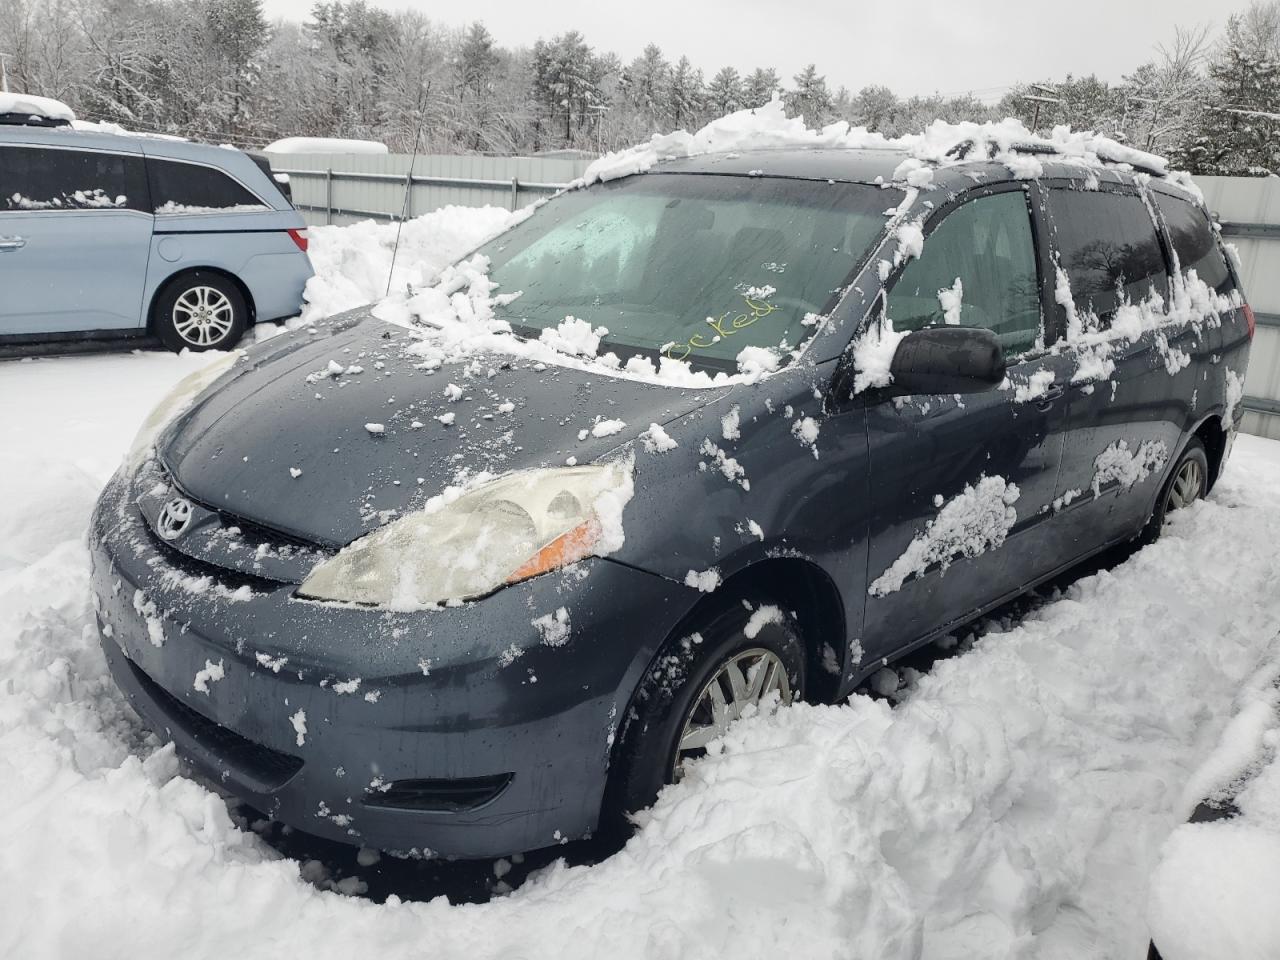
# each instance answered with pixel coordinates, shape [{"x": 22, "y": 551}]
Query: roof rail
[
  {"x": 964, "y": 148},
  {"x": 31, "y": 120}
]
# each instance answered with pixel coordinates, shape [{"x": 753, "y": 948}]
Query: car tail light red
[
  {"x": 300, "y": 238},
  {"x": 1249, "y": 320}
]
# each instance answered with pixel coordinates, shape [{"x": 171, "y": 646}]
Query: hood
[{"x": 326, "y": 433}]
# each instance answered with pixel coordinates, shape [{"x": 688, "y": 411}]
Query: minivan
[
  {"x": 115, "y": 236},
  {"x": 483, "y": 569}
]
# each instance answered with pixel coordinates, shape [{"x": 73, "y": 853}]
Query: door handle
[
  {"x": 1054, "y": 392},
  {"x": 12, "y": 243}
]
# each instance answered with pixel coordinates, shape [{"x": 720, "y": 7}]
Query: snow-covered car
[
  {"x": 111, "y": 236},
  {"x": 482, "y": 568}
]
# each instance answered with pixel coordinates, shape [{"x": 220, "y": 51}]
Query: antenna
[{"x": 404, "y": 208}]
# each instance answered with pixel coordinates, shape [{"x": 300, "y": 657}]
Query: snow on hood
[
  {"x": 768, "y": 127},
  {"x": 32, "y": 106},
  {"x": 324, "y": 435}
]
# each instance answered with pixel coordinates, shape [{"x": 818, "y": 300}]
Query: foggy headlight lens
[{"x": 503, "y": 531}]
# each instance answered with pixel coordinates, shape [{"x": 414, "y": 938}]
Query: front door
[
  {"x": 75, "y": 236},
  {"x": 962, "y": 485}
]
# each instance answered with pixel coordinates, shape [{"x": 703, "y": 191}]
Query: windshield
[{"x": 689, "y": 266}]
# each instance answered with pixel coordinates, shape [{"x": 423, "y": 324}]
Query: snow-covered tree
[
  {"x": 760, "y": 86},
  {"x": 810, "y": 98},
  {"x": 724, "y": 94},
  {"x": 685, "y": 94}
]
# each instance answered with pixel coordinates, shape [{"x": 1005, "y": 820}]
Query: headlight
[
  {"x": 175, "y": 402},
  {"x": 503, "y": 531}
]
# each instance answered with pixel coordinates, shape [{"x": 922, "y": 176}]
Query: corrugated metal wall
[
  {"x": 325, "y": 182},
  {"x": 342, "y": 188},
  {"x": 1249, "y": 208}
]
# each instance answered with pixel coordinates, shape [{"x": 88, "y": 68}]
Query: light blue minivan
[{"x": 106, "y": 236}]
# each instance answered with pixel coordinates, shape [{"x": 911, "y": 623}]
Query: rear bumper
[
  {"x": 276, "y": 282},
  {"x": 258, "y": 692}
]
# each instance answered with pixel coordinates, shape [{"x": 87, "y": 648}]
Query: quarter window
[
  {"x": 191, "y": 188},
  {"x": 1193, "y": 241},
  {"x": 978, "y": 269},
  {"x": 39, "y": 178},
  {"x": 1107, "y": 244}
]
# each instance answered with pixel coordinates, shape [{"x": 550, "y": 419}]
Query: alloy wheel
[
  {"x": 745, "y": 679},
  {"x": 1187, "y": 485},
  {"x": 203, "y": 316}
]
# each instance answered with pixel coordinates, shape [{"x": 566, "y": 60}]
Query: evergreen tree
[
  {"x": 759, "y": 88},
  {"x": 810, "y": 98},
  {"x": 724, "y": 95},
  {"x": 565, "y": 80},
  {"x": 685, "y": 94},
  {"x": 1239, "y": 129}
]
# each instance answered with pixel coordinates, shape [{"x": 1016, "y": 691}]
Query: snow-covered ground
[{"x": 1012, "y": 802}]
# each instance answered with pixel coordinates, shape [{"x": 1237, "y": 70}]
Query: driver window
[{"x": 978, "y": 269}]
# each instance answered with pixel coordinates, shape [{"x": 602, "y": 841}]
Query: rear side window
[
  {"x": 978, "y": 269},
  {"x": 44, "y": 178},
  {"x": 191, "y": 188},
  {"x": 1193, "y": 241},
  {"x": 1108, "y": 245}
]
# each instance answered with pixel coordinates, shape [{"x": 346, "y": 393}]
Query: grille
[{"x": 271, "y": 768}]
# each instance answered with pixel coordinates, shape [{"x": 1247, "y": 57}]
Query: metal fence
[
  {"x": 1249, "y": 208},
  {"x": 341, "y": 188}
]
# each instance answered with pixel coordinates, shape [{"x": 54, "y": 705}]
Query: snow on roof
[
  {"x": 325, "y": 145},
  {"x": 1007, "y": 142},
  {"x": 106, "y": 126},
  {"x": 32, "y": 106}
]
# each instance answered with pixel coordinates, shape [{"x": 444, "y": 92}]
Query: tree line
[{"x": 218, "y": 70}]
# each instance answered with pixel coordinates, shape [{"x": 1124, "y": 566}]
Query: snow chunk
[
  {"x": 1119, "y": 464},
  {"x": 376, "y": 429},
  {"x": 212, "y": 673},
  {"x": 952, "y": 299},
  {"x": 656, "y": 440},
  {"x": 607, "y": 428},
  {"x": 976, "y": 520},
  {"x": 299, "y": 723},
  {"x": 574, "y": 337},
  {"x": 704, "y": 580},
  {"x": 729, "y": 424},
  {"x": 873, "y": 355},
  {"x": 806, "y": 431},
  {"x": 553, "y": 627},
  {"x": 347, "y": 686},
  {"x": 759, "y": 617},
  {"x": 755, "y": 362}
]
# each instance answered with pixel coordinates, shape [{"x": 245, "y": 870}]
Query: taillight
[
  {"x": 300, "y": 238},
  {"x": 1249, "y": 320}
]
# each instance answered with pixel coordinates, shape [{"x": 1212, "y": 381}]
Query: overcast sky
[{"x": 911, "y": 46}]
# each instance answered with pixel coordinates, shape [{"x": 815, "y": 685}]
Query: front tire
[
  {"x": 703, "y": 679},
  {"x": 200, "y": 311},
  {"x": 1187, "y": 483}
]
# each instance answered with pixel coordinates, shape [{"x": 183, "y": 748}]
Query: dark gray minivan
[{"x": 465, "y": 603}]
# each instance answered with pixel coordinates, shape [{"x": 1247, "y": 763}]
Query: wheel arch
[{"x": 168, "y": 281}]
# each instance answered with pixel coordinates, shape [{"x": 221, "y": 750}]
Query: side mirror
[{"x": 947, "y": 360}]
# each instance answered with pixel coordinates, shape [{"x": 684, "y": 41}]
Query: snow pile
[
  {"x": 969, "y": 524},
  {"x": 1214, "y": 891},
  {"x": 942, "y": 143},
  {"x": 352, "y": 263},
  {"x": 873, "y": 355},
  {"x": 29, "y": 105}
]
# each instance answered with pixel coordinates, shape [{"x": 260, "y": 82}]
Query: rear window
[
  {"x": 45, "y": 178},
  {"x": 1108, "y": 245},
  {"x": 1193, "y": 241},
  {"x": 191, "y": 188}
]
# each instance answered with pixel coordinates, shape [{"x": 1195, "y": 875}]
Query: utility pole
[
  {"x": 4, "y": 73},
  {"x": 1045, "y": 96}
]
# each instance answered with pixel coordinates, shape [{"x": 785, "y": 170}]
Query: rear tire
[
  {"x": 200, "y": 311},
  {"x": 1188, "y": 481},
  {"x": 676, "y": 697}
]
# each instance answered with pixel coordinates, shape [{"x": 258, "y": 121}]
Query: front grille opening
[
  {"x": 440, "y": 796},
  {"x": 268, "y": 768}
]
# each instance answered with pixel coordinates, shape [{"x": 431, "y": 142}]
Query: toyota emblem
[{"x": 175, "y": 517}]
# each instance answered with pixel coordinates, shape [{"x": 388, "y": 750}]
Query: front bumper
[{"x": 258, "y": 690}]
